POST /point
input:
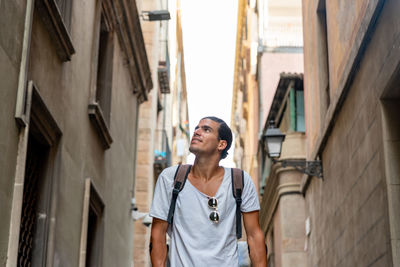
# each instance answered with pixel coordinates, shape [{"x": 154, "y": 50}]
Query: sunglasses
[{"x": 213, "y": 204}]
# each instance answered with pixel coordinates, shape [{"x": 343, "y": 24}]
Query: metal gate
[{"x": 34, "y": 162}]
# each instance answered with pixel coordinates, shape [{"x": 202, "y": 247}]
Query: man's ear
[{"x": 222, "y": 145}]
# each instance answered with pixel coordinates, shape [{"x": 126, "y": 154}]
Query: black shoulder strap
[
  {"x": 179, "y": 182},
  {"x": 237, "y": 188}
]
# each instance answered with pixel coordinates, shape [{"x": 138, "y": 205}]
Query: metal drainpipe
[
  {"x": 165, "y": 37},
  {"x": 260, "y": 106}
]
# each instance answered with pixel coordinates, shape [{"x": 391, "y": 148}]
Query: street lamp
[{"x": 274, "y": 138}]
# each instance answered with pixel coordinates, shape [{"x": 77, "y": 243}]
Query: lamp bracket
[{"x": 313, "y": 168}]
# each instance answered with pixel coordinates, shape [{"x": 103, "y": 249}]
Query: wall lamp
[
  {"x": 156, "y": 15},
  {"x": 274, "y": 138}
]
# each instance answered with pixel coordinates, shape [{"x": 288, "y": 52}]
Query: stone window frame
[
  {"x": 91, "y": 201},
  {"x": 101, "y": 120},
  {"x": 389, "y": 105},
  {"x": 57, "y": 25},
  {"x": 323, "y": 58},
  {"x": 65, "y": 8},
  {"x": 289, "y": 106},
  {"x": 36, "y": 112}
]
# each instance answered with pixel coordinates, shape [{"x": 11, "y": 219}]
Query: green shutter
[
  {"x": 300, "y": 124},
  {"x": 292, "y": 101}
]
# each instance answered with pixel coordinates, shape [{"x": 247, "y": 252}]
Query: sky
[{"x": 209, "y": 40}]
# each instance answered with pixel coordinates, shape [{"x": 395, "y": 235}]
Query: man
[{"x": 204, "y": 235}]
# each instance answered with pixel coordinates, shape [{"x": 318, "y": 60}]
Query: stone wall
[{"x": 349, "y": 209}]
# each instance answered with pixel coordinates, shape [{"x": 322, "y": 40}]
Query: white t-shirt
[{"x": 195, "y": 240}]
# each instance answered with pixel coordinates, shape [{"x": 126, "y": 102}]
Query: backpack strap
[
  {"x": 180, "y": 177},
  {"x": 237, "y": 188}
]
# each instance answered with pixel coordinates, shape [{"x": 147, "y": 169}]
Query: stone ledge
[
  {"x": 125, "y": 19},
  {"x": 97, "y": 118}
]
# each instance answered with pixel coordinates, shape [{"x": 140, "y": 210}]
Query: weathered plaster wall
[
  {"x": 65, "y": 89},
  {"x": 12, "y": 14}
]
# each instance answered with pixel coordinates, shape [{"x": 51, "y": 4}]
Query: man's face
[{"x": 205, "y": 139}]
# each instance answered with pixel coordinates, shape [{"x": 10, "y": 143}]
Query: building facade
[
  {"x": 179, "y": 117},
  {"x": 269, "y": 42},
  {"x": 245, "y": 106},
  {"x": 73, "y": 75},
  {"x": 280, "y": 51},
  {"x": 280, "y": 47},
  {"x": 163, "y": 122},
  {"x": 153, "y": 32},
  {"x": 282, "y": 213},
  {"x": 281, "y": 103},
  {"x": 351, "y": 85}
]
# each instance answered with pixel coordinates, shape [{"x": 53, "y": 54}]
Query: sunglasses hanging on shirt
[{"x": 213, "y": 204}]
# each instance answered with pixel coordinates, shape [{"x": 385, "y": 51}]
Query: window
[
  {"x": 100, "y": 106},
  {"x": 290, "y": 117},
  {"x": 296, "y": 103},
  {"x": 31, "y": 240},
  {"x": 300, "y": 124},
  {"x": 92, "y": 227},
  {"x": 95, "y": 234},
  {"x": 39, "y": 183},
  {"x": 56, "y": 15},
  {"x": 104, "y": 69},
  {"x": 390, "y": 109},
  {"x": 323, "y": 57},
  {"x": 64, "y": 7}
]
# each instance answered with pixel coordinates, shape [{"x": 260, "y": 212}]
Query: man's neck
[{"x": 205, "y": 169}]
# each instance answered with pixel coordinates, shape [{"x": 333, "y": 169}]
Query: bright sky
[{"x": 209, "y": 40}]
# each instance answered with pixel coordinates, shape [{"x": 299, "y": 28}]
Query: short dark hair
[{"x": 224, "y": 133}]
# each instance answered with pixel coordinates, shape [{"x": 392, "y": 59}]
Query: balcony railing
[{"x": 163, "y": 77}]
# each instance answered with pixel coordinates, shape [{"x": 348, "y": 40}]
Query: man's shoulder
[
  {"x": 168, "y": 173},
  {"x": 246, "y": 175},
  {"x": 247, "y": 180},
  {"x": 170, "y": 169}
]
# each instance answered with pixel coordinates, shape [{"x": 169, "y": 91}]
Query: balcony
[{"x": 163, "y": 77}]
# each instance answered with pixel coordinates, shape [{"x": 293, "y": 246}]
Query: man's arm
[
  {"x": 158, "y": 252},
  {"x": 255, "y": 239}
]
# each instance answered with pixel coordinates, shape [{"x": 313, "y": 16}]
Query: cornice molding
[{"x": 126, "y": 23}]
